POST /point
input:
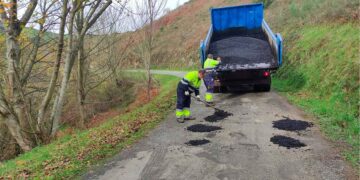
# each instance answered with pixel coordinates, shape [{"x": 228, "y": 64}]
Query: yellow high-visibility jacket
[{"x": 210, "y": 63}]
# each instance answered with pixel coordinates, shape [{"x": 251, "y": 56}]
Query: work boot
[
  {"x": 180, "y": 120},
  {"x": 190, "y": 118}
]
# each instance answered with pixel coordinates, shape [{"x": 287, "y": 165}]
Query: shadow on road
[{"x": 239, "y": 91}]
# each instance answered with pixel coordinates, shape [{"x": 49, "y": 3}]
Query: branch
[
  {"x": 92, "y": 10},
  {"x": 96, "y": 16},
  {"x": 32, "y": 58},
  {"x": 29, "y": 12}
]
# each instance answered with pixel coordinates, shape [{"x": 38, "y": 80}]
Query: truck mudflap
[{"x": 259, "y": 79}]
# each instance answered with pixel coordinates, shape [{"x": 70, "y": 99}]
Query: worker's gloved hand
[
  {"x": 198, "y": 97},
  {"x": 187, "y": 93}
]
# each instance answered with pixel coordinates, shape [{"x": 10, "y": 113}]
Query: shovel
[{"x": 209, "y": 105}]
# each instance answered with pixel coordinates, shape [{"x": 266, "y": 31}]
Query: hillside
[
  {"x": 320, "y": 71},
  {"x": 179, "y": 34}
]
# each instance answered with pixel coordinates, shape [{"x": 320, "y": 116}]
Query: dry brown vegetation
[{"x": 179, "y": 34}]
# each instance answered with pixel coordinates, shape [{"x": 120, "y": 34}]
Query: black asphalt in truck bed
[{"x": 242, "y": 51}]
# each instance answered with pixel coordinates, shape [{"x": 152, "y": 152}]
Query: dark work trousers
[
  {"x": 209, "y": 81},
  {"x": 182, "y": 100}
]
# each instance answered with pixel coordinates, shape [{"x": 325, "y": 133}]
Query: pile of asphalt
[
  {"x": 287, "y": 142},
  {"x": 203, "y": 128},
  {"x": 291, "y": 125},
  {"x": 239, "y": 52},
  {"x": 197, "y": 142},
  {"x": 217, "y": 116}
]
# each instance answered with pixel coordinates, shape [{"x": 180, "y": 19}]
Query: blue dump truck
[{"x": 250, "y": 51}]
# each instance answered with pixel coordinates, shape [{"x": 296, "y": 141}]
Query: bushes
[{"x": 110, "y": 94}]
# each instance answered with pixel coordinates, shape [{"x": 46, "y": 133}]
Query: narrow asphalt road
[{"x": 240, "y": 150}]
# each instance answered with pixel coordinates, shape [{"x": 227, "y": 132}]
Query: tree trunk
[
  {"x": 148, "y": 84},
  {"x": 54, "y": 77},
  {"x": 15, "y": 130},
  {"x": 56, "y": 115},
  {"x": 150, "y": 44},
  {"x": 69, "y": 62},
  {"x": 80, "y": 84},
  {"x": 18, "y": 120}
]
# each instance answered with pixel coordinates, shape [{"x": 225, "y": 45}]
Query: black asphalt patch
[
  {"x": 291, "y": 125},
  {"x": 202, "y": 128},
  {"x": 217, "y": 116},
  {"x": 197, "y": 142},
  {"x": 287, "y": 142}
]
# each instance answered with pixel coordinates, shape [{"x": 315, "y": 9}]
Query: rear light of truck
[{"x": 266, "y": 74}]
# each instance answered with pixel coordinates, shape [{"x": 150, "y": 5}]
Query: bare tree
[
  {"x": 16, "y": 102},
  {"x": 54, "y": 77},
  {"x": 146, "y": 12},
  {"x": 12, "y": 104},
  {"x": 26, "y": 66},
  {"x": 83, "y": 56},
  {"x": 75, "y": 49}
]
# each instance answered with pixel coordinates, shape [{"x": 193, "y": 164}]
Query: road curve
[{"x": 240, "y": 150}]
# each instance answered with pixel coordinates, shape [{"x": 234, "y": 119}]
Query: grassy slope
[
  {"x": 72, "y": 154},
  {"x": 325, "y": 81},
  {"x": 320, "y": 72}
]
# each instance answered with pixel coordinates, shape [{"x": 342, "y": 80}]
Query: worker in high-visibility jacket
[
  {"x": 209, "y": 66},
  {"x": 188, "y": 85}
]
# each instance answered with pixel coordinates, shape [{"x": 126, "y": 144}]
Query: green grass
[
  {"x": 177, "y": 68},
  {"x": 71, "y": 155},
  {"x": 320, "y": 74}
]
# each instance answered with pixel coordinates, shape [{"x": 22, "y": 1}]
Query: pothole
[
  {"x": 287, "y": 142},
  {"x": 202, "y": 128},
  {"x": 291, "y": 125},
  {"x": 217, "y": 116},
  {"x": 197, "y": 142}
]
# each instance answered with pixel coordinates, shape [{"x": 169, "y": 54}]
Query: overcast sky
[{"x": 171, "y": 4}]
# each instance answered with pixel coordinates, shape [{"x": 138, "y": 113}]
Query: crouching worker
[
  {"x": 188, "y": 85},
  {"x": 209, "y": 66}
]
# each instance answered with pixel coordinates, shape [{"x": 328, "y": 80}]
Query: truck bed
[
  {"x": 242, "y": 49},
  {"x": 250, "y": 51}
]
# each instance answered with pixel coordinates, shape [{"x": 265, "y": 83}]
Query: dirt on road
[{"x": 240, "y": 148}]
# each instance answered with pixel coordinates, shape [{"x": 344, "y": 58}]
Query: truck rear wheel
[{"x": 262, "y": 88}]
